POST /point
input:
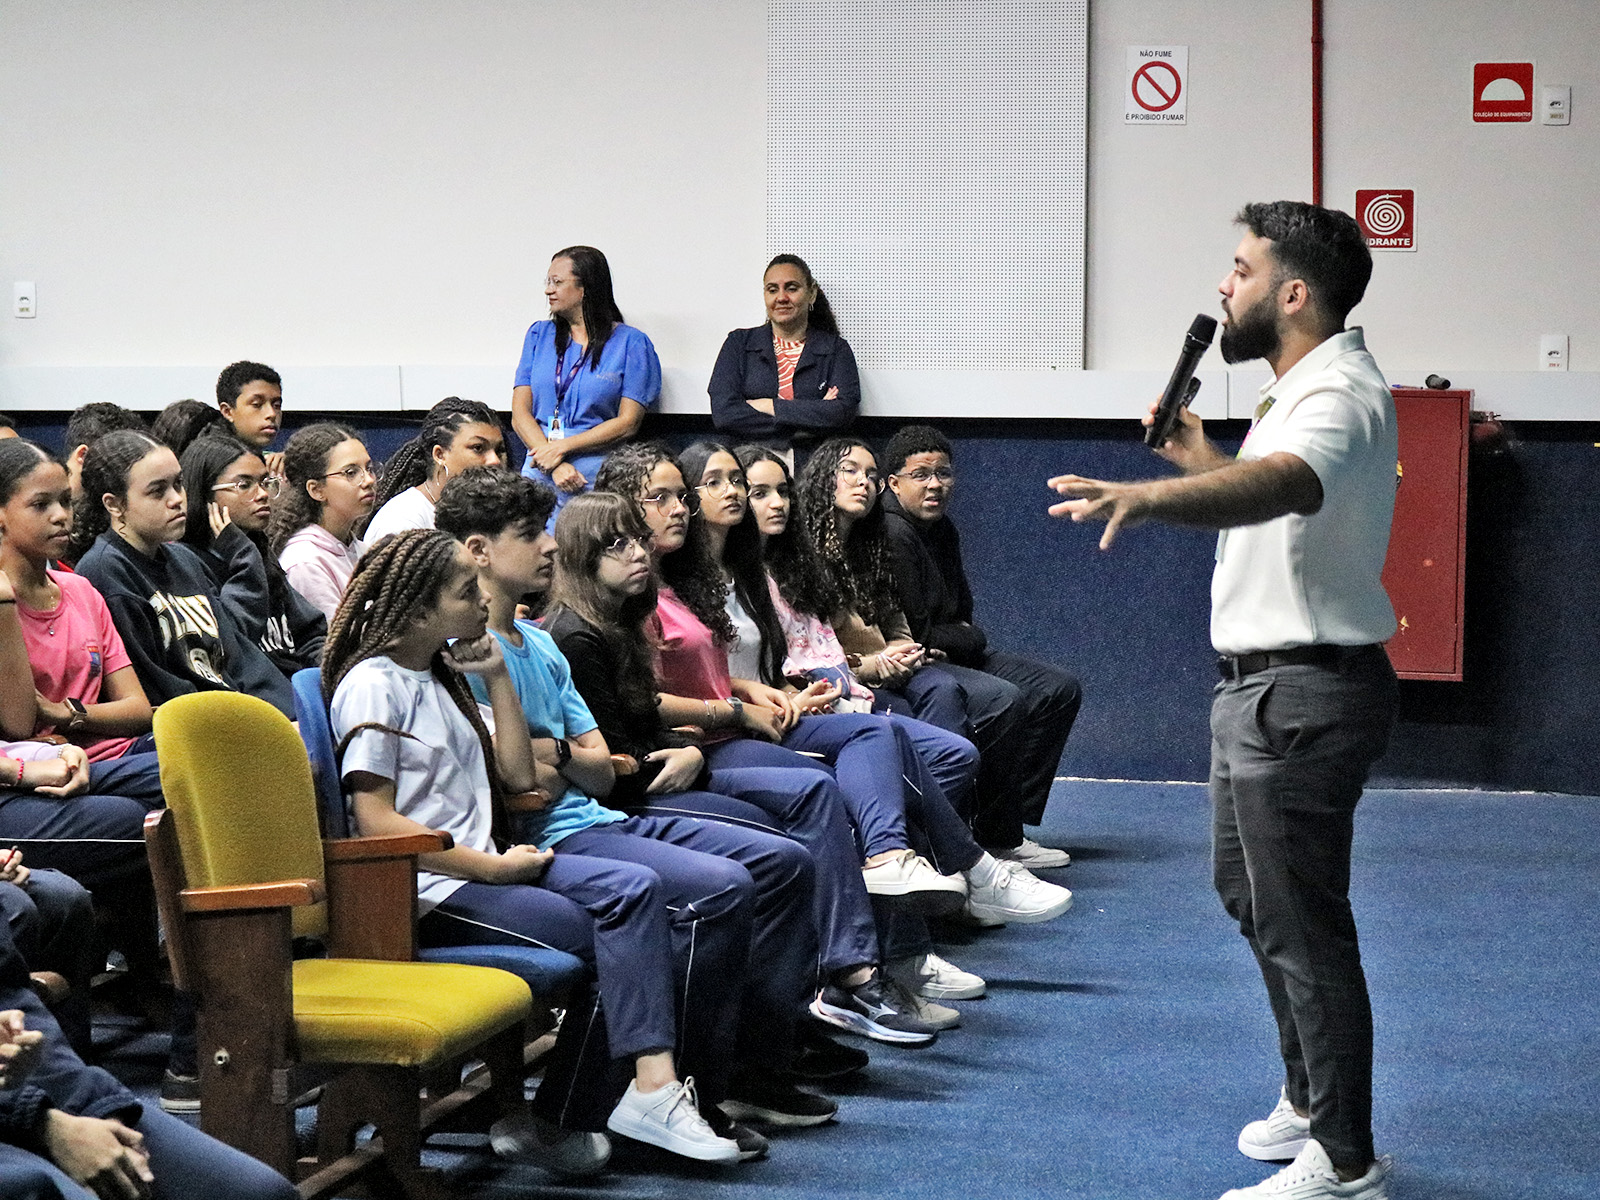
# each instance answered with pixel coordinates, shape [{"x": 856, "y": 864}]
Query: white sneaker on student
[
  {"x": 1034, "y": 856},
  {"x": 669, "y": 1117},
  {"x": 530, "y": 1139},
  {"x": 1009, "y": 893},
  {"x": 1312, "y": 1177},
  {"x": 931, "y": 977},
  {"x": 1280, "y": 1137},
  {"x": 909, "y": 874}
]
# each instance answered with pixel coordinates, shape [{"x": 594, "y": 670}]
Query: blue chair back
[{"x": 311, "y": 714}]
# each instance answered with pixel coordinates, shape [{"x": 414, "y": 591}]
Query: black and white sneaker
[
  {"x": 872, "y": 1010},
  {"x": 818, "y": 1058}
]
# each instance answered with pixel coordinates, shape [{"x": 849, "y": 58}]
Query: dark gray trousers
[{"x": 1290, "y": 750}]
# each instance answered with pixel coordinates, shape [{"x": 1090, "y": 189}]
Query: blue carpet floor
[{"x": 1121, "y": 1047}]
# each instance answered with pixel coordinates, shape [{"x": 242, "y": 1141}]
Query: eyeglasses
[
  {"x": 850, "y": 472},
  {"x": 270, "y": 484},
  {"x": 354, "y": 472},
  {"x": 551, "y": 281},
  {"x": 625, "y": 545},
  {"x": 721, "y": 487},
  {"x": 663, "y": 501},
  {"x": 924, "y": 474}
]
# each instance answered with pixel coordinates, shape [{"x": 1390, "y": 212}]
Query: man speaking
[{"x": 1298, "y": 615}]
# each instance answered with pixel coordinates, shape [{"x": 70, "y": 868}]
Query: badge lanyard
[{"x": 556, "y": 432}]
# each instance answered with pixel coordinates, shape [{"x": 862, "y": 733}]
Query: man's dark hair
[
  {"x": 6, "y": 422},
  {"x": 90, "y": 422},
  {"x": 913, "y": 439},
  {"x": 1322, "y": 246},
  {"x": 489, "y": 500},
  {"x": 236, "y": 376}
]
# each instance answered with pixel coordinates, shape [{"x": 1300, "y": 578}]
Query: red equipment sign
[
  {"x": 1385, "y": 216},
  {"x": 1502, "y": 92}
]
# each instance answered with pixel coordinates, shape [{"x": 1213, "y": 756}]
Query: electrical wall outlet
[
  {"x": 1555, "y": 104},
  {"x": 1553, "y": 352},
  {"x": 24, "y": 303}
]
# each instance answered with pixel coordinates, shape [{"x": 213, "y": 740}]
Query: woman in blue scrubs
[{"x": 585, "y": 378}]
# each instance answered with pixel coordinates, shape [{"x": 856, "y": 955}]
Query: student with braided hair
[
  {"x": 329, "y": 489},
  {"x": 415, "y": 755},
  {"x": 456, "y": 434}
]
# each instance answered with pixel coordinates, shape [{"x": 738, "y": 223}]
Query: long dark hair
[
  {"x": 860, "y": 567},
  {"x": 584, "y": 528},
  {"x": 821, "y": 316},
  {"x": 305, "y": 458},
  {"x": 397, "y": 580},
  {"x": 105, "y": 471},
  {"x": 790, "y": 558},
  {"x": 203, "y": 464},
  {"x": 692, "y": 574},
  {"x": 413, "y": 462},
  {"x": 600, "y": 311},
  {"x": 741, "y": 558},
  {"x": 180, "y": 423}
]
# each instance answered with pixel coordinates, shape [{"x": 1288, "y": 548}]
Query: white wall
[{"x": 377, "y": 186}]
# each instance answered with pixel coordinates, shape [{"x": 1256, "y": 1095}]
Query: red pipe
[{"x": 1316, "y": 101}]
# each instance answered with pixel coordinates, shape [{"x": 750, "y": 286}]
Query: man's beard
[{"x": 1252, "y": 333}]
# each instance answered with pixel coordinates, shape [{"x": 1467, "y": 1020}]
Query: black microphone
[{"x": 1179, "y": 392}]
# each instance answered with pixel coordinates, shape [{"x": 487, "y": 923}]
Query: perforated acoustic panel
[{"x": 926, "y": 158}]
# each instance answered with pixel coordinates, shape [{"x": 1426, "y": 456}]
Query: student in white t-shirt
[
  {"x": 456, "y": 434},
  {"x": 415, "y": 755}
]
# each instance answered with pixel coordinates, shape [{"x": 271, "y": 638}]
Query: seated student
[
  {"x": 51, "y": 915},
  {"x": 585, "y": 377},
  {"x": 415, "y": 754},
  {"x": 180, "y": 635},
  {"x": 87, "y": 424},
  {"x": 250, "y": 397},
  {"x": 182, "y": 421},
  {"x": 329, "y": 492},
  {"x": 500, "y": 516},
  {"x": 602, "y": 596},
  {"x": 925, "y": 551},
  {"x": 56, "y": 631},
  {"x": 455, "y": 435},
  {"x": 791, "y": 381},
  {"x": 838, "y": 491},
  {"x": 230, "y": 502},
  {"x": 69, "y": 1131}
]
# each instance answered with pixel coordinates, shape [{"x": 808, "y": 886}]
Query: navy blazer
[{"x": 747, "y": 369}]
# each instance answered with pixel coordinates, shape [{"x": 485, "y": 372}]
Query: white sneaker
[
  {"x": 1278, "y": 1138},
  {"x": 1032, "y": 855},
  {"x": 1312, "y": 1177},
  {"x": 939, "y": 1016},
  {"x": 909, "y": 874},
  {"x": 931, "y": 977},
  {"x": 1014, "y": 895},
  {"x": 530, "y": 1139},
  {"x": 669, "y": 1117}
]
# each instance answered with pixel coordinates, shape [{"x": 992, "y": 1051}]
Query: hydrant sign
[
  {"x": 1386, "y": 217},
  {"x": 1158, "y": 86}
]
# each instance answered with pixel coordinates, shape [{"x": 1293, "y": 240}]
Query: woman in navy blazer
[{"x": 791, "y": 381}]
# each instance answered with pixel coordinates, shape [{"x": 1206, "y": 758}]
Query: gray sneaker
[{"x": 529, "y": 1139}]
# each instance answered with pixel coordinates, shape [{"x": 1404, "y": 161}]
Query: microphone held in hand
[{"x": 1179, "y": 390}]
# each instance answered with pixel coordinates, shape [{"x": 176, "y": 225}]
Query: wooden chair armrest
[
  {"x": 533, "y": 800},
  {"x": 400, "y": 845},
  {"x": 694, "y": 733},
  {"x": 283, "y": 893},
  {"x": 624, "y": 764}
]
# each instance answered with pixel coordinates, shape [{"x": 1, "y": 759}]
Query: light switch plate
[
  {"x": 1553, "y": 352},
  {"x": 24, "y": 301},
  {"x": 1555, "y": 104}
]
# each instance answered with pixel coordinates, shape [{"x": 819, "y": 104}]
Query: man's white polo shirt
[{"x": 1316, "y": 580}]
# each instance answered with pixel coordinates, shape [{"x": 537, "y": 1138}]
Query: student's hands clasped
[
  {"x": 19, "y": 1045},
  {"x": 522, "y": 864},
  {"x": 62, "y": 776},
  {"x": 681, "y": 770},
  {"x": 102, "y": 1154}
]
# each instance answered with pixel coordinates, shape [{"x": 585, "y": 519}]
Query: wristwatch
[
  {"x": 79, "y": 714},
  {"x": 563, "y": 753},
  {"x": 736, "y": 707}
]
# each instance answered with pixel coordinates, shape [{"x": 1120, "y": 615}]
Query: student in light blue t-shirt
[{"x": 500, "y": 517}]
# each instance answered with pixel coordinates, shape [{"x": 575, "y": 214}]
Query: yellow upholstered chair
[{"x": 241, "y": 870}]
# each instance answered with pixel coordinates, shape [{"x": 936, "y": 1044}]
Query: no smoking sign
[{"x": 1157, "y": 91}]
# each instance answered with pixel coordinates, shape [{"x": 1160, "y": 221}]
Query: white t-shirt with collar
[
  {"x": 440, "y": 776},
  {"x": 1316, "y": 580}
]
